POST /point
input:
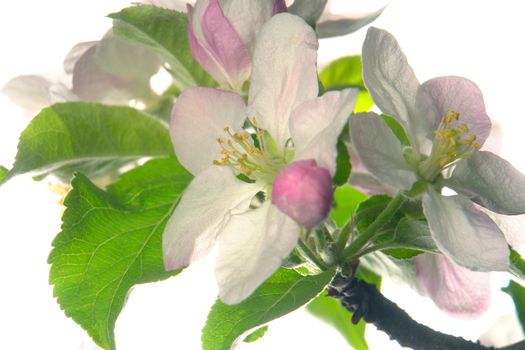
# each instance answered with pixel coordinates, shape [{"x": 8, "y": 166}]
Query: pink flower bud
[{"x": 303, "y": 191}]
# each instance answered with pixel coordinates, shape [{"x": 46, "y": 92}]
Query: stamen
[{"x": 452, "y": 142}]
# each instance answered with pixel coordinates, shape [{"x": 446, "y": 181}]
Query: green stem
[
  {"x": 309, "y": 254},
  {"x": 344, "y": 235},
  {"x": 372, "y": 229}
]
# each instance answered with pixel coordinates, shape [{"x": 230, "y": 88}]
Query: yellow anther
[
  {"x": 447, "y": 119},
  {"x": 476, "y": 146},
  {"x": 251, "y": 149},
  {"x": 220, "y": 141},
  {"x": 259, "y": 133},
  {"x": 463, "y": 128},
  {"x": 254, "y": 121}
]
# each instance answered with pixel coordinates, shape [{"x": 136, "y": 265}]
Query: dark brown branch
[{"x": 365, "y": 301}]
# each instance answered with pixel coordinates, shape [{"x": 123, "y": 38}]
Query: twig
[{"x": 366, "y": 302}]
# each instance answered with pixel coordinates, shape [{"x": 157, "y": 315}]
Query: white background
[{"x": 481, "y": 40}]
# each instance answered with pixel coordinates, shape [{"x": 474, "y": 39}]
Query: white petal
[
  {"x": 29, "y": 92},
  {"x": 491, "y": 182},
  {"x": 198, "y": 118},
  {"x": 247, "y": 17},
  {"x": 454, "y": 289},
  {"x": 284, "y": 73},
  {"x": 316, "y": 124},
  {"x": 465, "y": 234},
  {"x": 251, "y": 248},
  {"x": 513, "y": 227},
  {"x": 388, "y": 77},
  {"x": 330, "y": 25},
  {"x": 205, "y": 207},
  {"x": 380, "y": 150}
]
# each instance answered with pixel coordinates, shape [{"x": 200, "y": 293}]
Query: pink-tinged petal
[
  {"x": 464, "y": 233},
  {"x": 454, "y": 289},
  {"x": 389, "y": 79},
  {"x": 29, "y": 92},
  {"x": 248, "y": 17},
  {"x": 303, "y": 191},
  {"x": 316, "y": 124},
  {"x": 380, "y": 150},
  {"x": 251, "y": 248},
  {"x": 457, "y": 94},
  {"x": 198, "y": 118},
  {"x": 331, "y": 25},
  {"x": 284, "y": 73},
  {"x": 91, "y": 83},
  {"x": 220, "y": 50},
  {"x": 491, "y": 182},
  {"x": 205, "y": 207},
  {"x": 75, "y": 53}
]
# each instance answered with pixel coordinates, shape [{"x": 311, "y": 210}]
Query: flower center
[
  {"x": 452, "y": 142},
  {"x": 246, "y": 154}
]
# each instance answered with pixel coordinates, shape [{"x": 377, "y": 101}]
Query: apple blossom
[
  {"x": 446, "y": 125},
  {"x": 222, "y": 36},
  {"x": 218, "y": 138},
  {"x": 99, "y": 71}
]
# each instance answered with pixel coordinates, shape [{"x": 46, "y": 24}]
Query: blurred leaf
[
  {"x": 368, "y": 276},
  {"x": 3, "y": 173},
  {"x": 256, "y": 335},
  {"x": 281, "y": 294},
  {"x": 343, "y": 165},
  {"x": 167, "y": 32},
  {"x": 517, "y": 293},
  {"x": 333, "y": 313},
  {"x": 112, "y": 240},
  {"x": 83, "y": 136},
  {"x": 346, "y": 200},
  {"x": 309, "y": 10},
  {"x": 346, "y": 72}
]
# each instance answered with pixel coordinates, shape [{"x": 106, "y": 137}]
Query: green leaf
[
  {"x": 309, "y": 10},
  {"x": 517, "y": 264},
  {"x": 3, "y": 173},
  {"x": 112, "y": 240},
  {"x": 346, "y": 72},
  {"x": 281, "y": 294},
  {"x": 343, "y": 165},
  {"x": 517, "y": 293},
  {"x": 332, "y": 312},
  {"x": 346, "y": 200},
  {"x": 167, "y": 32},
  {"x": 397, "y": 129},
  {"x": 256, "y": 335},
  {"x": 79, "y": 136}
]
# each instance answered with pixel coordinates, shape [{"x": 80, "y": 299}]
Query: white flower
[{"x": 288, "y": 123}]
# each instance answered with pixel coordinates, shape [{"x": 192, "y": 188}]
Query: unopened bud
[{"x": 303, "y": 191}]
